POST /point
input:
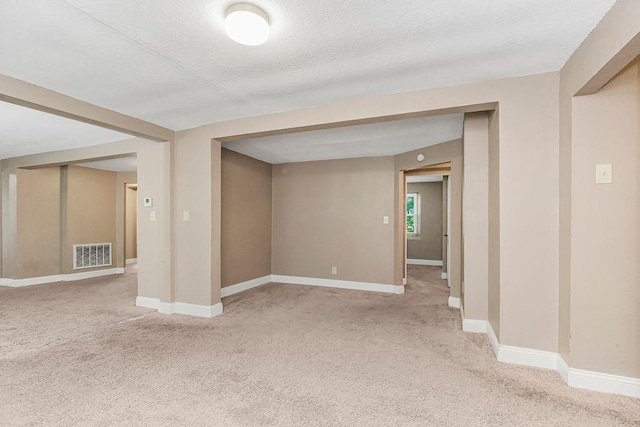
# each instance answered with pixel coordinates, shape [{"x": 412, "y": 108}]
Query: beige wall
[
  {"x": 475, "y": 219},
  {"x": 122, "y": 179},
  {"x": 447, "y": 152},
  {"x": 155, "y": 245},
  {"x": 528, "y": 186},
  {"x": 38, "y": 222},
  {"x": 608, "y": 49},
  {"x": 154, "y": 262},
  {"x": 131, "y": 217},
  {"x": 246, "y": 218},
  {"x": 40, "y": 237},
  {"x": 330, "y": 213},
  {"x": 91, "y": 211},
  {"x": 445, "y": 223},
  {"x": 605, "y": 268},
  {"x": 611, "y": 46},
  {"x": 193, "y": 185},
  {"x": 493, "y": 200},
  {"x": 428, "y": 244}
]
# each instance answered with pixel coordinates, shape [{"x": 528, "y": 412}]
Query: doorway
[
  {"x": 131, "y": 224},
  {"x": 426, "y": 220}
]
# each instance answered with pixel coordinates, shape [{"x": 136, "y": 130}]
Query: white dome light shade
[{"x": 247, "y": 24}]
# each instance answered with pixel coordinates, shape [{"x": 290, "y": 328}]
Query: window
[{"x": 413, "y": 208}]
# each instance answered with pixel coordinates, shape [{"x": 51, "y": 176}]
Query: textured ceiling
[
  {"x": 25, "y": 131},
  {"x": 378, "y": 139},
  {"x": 121, "y": 164},
  {"x": 170, "y": 62}
]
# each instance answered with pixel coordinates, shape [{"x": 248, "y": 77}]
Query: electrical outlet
[
  {"x": 152, "y": 215},
  {"x": 385, "y": 220},
  {"x": 185, "y": 215},
  {"x": 334, "y": 270}
]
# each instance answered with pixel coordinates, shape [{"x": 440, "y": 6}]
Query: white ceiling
[
  {"x": 170, "y": 62},
  {"x": 120, "y": 164},
  {"x": 25, "y": 131},
  {"x": 371, "y": 140}
]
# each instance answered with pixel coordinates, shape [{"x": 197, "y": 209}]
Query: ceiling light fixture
[{"x": 247, "y": 24}]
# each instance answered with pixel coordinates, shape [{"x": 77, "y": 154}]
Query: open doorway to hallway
[
  {"x": 131, "y": 224},
  {"x": 427, "y": 221}
]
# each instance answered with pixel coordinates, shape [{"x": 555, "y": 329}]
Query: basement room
[{"x": 295, "y": 213}]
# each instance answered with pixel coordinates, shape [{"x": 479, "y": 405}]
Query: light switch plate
[
  {"x": 385, "y": 220},
  {"x": 604, "y": 174},
  {"x": 152, "y": 215},
  {"x": 185, "y": 215}
]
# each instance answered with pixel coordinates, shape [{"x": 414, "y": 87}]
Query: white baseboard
[
  {"x": 474, "y": 326},
  {"x": 206, "y": 311},
  {"x": 454, "y": 302},
  {"x": 576, "y": 378},
  {"x": 244, "y": 286},
  {"x": 18, "y": 283},
  {"x": 132, "y": 261},
  {"x": 147, "y": 302},
  {"x": 215, "y": 310},
  {"x": 431, "y": 262},
  {"x": 563, "y": 369},
  {"x": 91, "y": 274},
  {"x": 342, "y": 284},
  {"x": 518, "y": 355},
  {"x": 493, "y": 340},
  {"x": 598, "y": 381},
  {"x": 528, "y": 357},
  {"x": 445, "y": 276}
]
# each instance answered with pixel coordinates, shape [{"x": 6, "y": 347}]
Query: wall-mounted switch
[
  {"x": 185, "y": 215},
  {"x": 385, "y": 220},
  {"x": 152, "y": 215},
  {"x": 604, "y": 174},
  {"x": 334, "y": 270}
]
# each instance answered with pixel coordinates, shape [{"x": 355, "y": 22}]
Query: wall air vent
[{"x": 91, "y": 255}]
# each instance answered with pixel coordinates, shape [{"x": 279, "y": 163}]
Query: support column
[
  {"x": 476, "y": 215},
  {"x": 197, "y": 224},
  {"x": 9, "y": 223},
  {"x": 155, "y": 246}
]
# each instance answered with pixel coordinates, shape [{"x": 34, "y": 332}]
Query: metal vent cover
[{"x": 91, "y": 255}]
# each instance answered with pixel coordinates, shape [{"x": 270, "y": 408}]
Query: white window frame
[{"x": 416, "y": 214}]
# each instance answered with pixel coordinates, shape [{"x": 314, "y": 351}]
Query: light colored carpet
[{"x": 81, "y": 354}]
